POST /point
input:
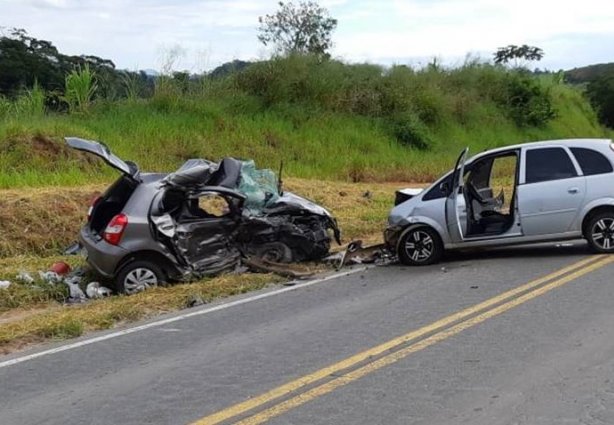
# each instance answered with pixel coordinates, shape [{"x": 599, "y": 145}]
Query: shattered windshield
[{"x": 259, "y": 186}]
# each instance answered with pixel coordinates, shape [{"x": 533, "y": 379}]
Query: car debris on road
[
  {"x": 201, "y": 220},
  {"x": 61, "y": 274}
]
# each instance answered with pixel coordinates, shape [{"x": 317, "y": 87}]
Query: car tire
[
  {"x": 419, "y": 246},
  {"x": 274, "y": 252},
  {"x": 138, "y": 276},
  {"x": 600, "y": 232}
]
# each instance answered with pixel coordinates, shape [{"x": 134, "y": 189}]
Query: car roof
[{"x": 595, "y": 143}]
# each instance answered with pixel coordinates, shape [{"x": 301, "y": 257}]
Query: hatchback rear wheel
[
  {"x": 420, "y": 246},
  {"x": 138, "y": 276},
  {"x": 600, "y": 232}
]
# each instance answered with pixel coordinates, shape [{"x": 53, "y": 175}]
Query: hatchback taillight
[
  {"x": 91, "y": 208},
  {"x": 115, "y": 229}
]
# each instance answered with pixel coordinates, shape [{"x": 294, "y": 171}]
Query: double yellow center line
[{"x": 275, "y": 402}]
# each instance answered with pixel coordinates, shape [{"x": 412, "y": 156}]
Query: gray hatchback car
[
  {"x": 204, "y": 218},
  {"x": 534, "y": 192}
]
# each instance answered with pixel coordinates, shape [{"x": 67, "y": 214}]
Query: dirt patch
[{"x": 42, "y": 221}]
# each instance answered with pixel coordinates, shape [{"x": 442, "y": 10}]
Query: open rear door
[
  {"x": 101, "y": 150},
  {"x": 455, "y": 203}
]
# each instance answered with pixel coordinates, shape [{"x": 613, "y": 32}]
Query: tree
[
  {"x": 25, "y": 59},
  {"x": 302, "y": 28},
  {"x": 519, "y": 54}
]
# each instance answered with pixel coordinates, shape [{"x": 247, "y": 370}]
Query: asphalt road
[{"x": 439, "y": 346}]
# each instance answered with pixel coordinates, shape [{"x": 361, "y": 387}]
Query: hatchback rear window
[
  {"x": 548, "y": 164},
  {"x": 592, "y": 162}
]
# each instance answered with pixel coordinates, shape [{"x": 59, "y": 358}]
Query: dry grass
[
  {"x": 73, "y": 321},
  {"x": 42, "y": 221},
  {"x": 36, "y": 223}
]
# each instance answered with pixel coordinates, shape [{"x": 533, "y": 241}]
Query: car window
[
  {"x": 213, "y": 205},
  {"x": 548, "y": 164},
  {"x": 592, "y": 162},
  {"x": 435, "y": 192}
]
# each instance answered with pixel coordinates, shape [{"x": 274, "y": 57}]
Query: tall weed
[{"x": 80, "y": 88}]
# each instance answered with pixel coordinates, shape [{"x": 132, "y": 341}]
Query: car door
[
  {"x": 551, "y": 190},
  {"x": 205, "y": 231},
  {"x": 456, "y": 209}
]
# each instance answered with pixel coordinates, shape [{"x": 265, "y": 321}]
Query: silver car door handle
[{"x": 573, "y": 190}]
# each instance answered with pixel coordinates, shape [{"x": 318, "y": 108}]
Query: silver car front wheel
[
  {"x": 420, "y": 246},
  {"x": 601, "y": 233}
]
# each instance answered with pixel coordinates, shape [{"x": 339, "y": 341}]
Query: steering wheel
[{"x": 475, "y": 194}]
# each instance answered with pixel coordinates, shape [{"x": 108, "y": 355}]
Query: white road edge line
[{"x": 176, "y": 318}]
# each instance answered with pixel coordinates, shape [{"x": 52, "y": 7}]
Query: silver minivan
[{"x": 534, "y": 192}]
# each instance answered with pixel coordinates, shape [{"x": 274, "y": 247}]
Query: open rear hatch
[
  {"x": 113, "y": 200},
  {"x": 101, "y": 150}
]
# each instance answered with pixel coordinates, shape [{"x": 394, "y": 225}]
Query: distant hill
[
  {"x": 229, "y": 68},
  {"x": 586, "y": 74}
]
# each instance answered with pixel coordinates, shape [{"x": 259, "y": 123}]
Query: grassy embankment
[
  {"x": 326, "y": 121},
  {"x": 341, "y": 131}
]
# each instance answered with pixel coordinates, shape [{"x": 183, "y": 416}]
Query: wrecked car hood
[
  {"x": 101, "y": 150},
  {"x": 289, "y": 202}
]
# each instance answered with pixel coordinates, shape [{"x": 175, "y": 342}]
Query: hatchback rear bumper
[{"x": 101, "y": 255}]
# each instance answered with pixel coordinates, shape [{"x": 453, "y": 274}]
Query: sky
[{"x": 202, "y": 34}]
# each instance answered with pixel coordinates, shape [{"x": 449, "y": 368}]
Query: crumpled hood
[
  {"x": 289, "y": 202},
  {"x": 292, "y": 204}
]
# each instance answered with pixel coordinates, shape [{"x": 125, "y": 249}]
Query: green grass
[{"x": 324, "y": 121}]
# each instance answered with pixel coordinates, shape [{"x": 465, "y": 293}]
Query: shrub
[
  {"x": 529, "y": 103},
  {"x": 600, "y": 92},
  {"x": 410, "y": 131}
]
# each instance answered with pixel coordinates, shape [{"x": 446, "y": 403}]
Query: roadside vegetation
[{"x": 390, "y": 124}]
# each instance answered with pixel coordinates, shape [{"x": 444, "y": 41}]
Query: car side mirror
[{"x": 444, "y": 187}]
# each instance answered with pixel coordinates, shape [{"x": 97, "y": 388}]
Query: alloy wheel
[
  {"x": 602, "y": 233},
  {"x": 419, "y": 246}
]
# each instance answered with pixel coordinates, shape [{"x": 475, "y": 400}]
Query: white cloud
[{"x": 131, "y": 32}]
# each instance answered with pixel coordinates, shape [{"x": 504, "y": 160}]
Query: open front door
[{"x": 456, "y": 208}]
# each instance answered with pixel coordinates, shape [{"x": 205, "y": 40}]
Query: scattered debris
[
  {"x": 76, "y": 293},
  {"x": 60, "y": 268},
  {"x": 443, "y": 269},
  {"x": 367, "y": 195},
  {"x": 94, "y": 290},
  {"x": 474, "y": 287},
  {"x": 4, "y": 284},
  {"x": 50, "y": 277},
  {"x": 73, "y": 249},
  {"x": 194, "y": 301},
  {"x": 24, "y": 277},
  {"x": 355, "y": 253},
  {"x": 286, "y": 270}
]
